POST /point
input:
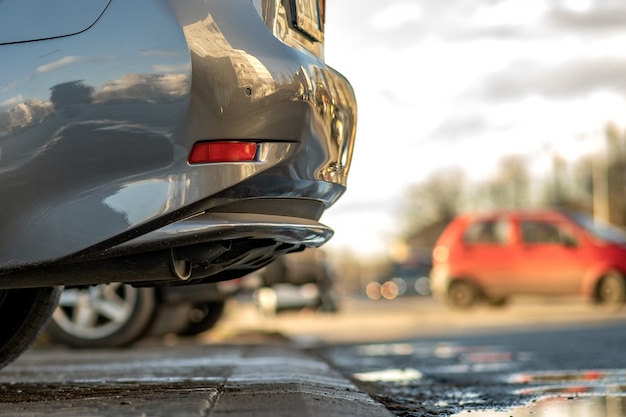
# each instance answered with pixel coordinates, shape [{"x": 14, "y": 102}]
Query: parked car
[
  {"x": 494, "y": 256},
  {"x": 297, "y": 281},
  {"x": 408, "y": 278},
  {"x": 161, "y": 141},
  {"x": 117, "y": 315}
]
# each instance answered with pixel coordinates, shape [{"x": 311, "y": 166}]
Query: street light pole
[{"x": 600, "y": 189}]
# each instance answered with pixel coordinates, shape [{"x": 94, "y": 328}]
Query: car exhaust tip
[{"x": 181, "y": 267}]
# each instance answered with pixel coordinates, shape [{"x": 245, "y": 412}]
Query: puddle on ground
[
  {"x": 567, "y": 406},
  {"x": 590, "y": 382},
  {"x": 438, "y": 350},
  {"x": 470, "y": 358},
  {"x": 606, "y": 376},
  {"x": 567, "y": 393},
  {"x": 586, "y": 393},
  {"x": 398, "y": 376}
]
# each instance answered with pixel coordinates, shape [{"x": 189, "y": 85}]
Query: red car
[{"x": 492, "y": 256}]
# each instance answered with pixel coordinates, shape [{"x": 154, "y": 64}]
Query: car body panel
[
  {"x": 96, "y": 128},
  {"x": 552, "y": 266},
  {"x": 571, "y": 261},
  {"x": 29, "y": 20}
]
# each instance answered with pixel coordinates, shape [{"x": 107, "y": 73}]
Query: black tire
[
  {"x": 102, "y": 316},
  {"x": 328, "y": 303},
  {"x": 497, "y": 302},
  {"x": 612, "y": 289},
  {"x": 170, "y": 319},
  {"x": 462, "y": 294},
  {"x": 26, "y": 311},
  {"x": 202, "y": 317}
]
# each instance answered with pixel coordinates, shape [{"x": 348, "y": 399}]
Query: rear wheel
[
  {"x": 612, "y": 289},
  {"x": 202, "y": 317},
  {"x": 171, "y": 319},
  {"x": 26, "y": 311},
  {"x": 105, "y": 315},
  {"x": 462, "y": 294}
]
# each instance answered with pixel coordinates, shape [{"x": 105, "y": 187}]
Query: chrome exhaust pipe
[{"x": 181, "y": 267}]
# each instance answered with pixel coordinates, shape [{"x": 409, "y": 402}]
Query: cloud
[
  {"x": 510, "y": 13},
  {"x": 578, "y": 5},
  {"x": 570, "y": 79},
  {"x": 461, "y": 126},
  {"x": 12, "y": 101},
  {"x": 60, "y": 63},
  {"x": 596, "y": 18},
  {"x": 172, "y": 69},
  {"x": 397, "y": 15}
]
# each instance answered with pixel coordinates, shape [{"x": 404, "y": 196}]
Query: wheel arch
[
  {"x": 477, "y": 297},
  {"x": 595, "y": 294},
  {"x": 593, "y": 277}
]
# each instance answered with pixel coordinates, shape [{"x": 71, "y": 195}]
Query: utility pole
[{"x": 600, "y": 188}]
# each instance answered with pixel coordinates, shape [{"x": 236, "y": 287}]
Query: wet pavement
[
  {"x": 409, "y": 358},
  {"x": 560, "y": 372},
  {"x": 272, "y": 379}
]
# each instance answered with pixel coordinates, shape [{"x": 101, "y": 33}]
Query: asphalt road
[{"x": 407, "y": 357}]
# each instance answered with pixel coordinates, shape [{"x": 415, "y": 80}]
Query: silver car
[{"x": 166, "y": 142}]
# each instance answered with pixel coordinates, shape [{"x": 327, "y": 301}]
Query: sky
[{"x": 462, "y": 83}]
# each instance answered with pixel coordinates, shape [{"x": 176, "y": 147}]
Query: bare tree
[
  {"x": 509, "y": 188},
  {"x": 438, "y": 199}
]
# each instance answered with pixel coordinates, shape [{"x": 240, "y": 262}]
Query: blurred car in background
[
  {"x": 297, "y": 281},
  {"x": 493, "y": 256},
  {"x": 404, "y": 279},
  {"x": 117, "y": 315},
  {"x": 161, "y": 143}
]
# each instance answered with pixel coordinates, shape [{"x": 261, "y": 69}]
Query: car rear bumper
[
  {"x": 439, "y": 281},
  {"x": 96, "y": 128}
]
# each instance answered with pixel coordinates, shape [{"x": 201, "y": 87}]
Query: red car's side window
[
  {"x": 539, "y": 232},
  {"x": 487, "y": 232}
]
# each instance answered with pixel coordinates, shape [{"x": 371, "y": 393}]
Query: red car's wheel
[
  {"x": 612, "y": 289},
  {"x": 462, "y": 294}
]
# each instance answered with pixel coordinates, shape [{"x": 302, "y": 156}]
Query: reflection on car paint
[
  {"x": 21, "y": 24},
  {"x": 100, "y": 107},
  {"x": 83, "y": 93}
]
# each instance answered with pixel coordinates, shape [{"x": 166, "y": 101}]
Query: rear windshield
[{"x": 597, "y": 228}]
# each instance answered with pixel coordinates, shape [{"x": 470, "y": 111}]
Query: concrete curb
[
  {"x": 274, "y": 378},
  {"x": 283, "y": 381}
]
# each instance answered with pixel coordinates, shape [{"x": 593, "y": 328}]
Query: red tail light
[{"x": 222, "y": 151}]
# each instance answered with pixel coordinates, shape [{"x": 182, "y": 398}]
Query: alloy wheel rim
[{"x": 97, "y": 311}]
